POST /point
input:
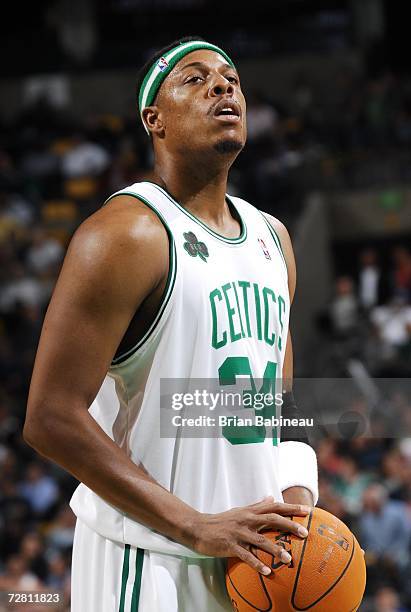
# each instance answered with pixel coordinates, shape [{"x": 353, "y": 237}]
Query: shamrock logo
[{"x": 194, "y": 247}]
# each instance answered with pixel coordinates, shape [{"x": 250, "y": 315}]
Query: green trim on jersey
[
  {"x": 135, "y": 597},
  {"x": 275, "y": 237},
  {"x": 241, "y": 238},
  {"x": 124, "y": 577},
  {"x": 171, "y": 278}
]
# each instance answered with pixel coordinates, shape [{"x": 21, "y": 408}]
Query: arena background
[{"x": 328, "y": 86}]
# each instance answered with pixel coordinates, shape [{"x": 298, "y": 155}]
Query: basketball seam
[
  {"x": 299, "y": 569},
  {"x": 248, "y": 602}
]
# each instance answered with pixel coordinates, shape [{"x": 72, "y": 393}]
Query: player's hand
[{"x": 234, "y": 533}]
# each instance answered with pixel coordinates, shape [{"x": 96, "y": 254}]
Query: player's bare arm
[
  {"x": 293, "y": 495},
  {"x": 90, "y": 311}
]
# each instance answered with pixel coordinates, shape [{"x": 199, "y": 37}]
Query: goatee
[{"x": 228, "y": 146}]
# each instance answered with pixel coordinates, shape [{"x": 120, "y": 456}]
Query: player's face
[{"x": 201, "y": 104}]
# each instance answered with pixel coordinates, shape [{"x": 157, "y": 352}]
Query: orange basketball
[{"x": 326, "y": 573}]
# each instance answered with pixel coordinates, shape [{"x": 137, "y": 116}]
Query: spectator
[
  {"x": 22, "y": 288},
  {"x": 392, "y": 323},
  {"x": 402, "y": 272},
  {"x": 385, "y": 535},
  {"x": 16, "y": 209},
  {"x": 405, "y": 445},
  {"x": 17, "y": 577},
  {"x": 367, "y": 452},
  {"x": 387, "y": 600},
  {"x": 329, "y": 461},
  {"x": 58, "y": 572},
  {"x": 344, "y": 308},
  {"x": 385, "y": 526},
  {"x": 351, "y": 484},
  {"x": 45, "y": 253},
  {"x": 32, "y": 551},
  {"x": 60, "y": 535},
  {"x": 369, "y": 280},
  {"x": 395, "y": 470},
  {"x": 84, "y": 158},
  {"x": 329, "y": 499},
  {"x": 262, "y": 119},
  {"x": 39, "y": 489}
]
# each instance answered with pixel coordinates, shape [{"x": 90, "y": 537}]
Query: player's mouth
[{"x": 227, "y": 111}]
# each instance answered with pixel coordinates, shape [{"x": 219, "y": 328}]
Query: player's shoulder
[
  {"x": 123, "y": 227},
  {"x": 280, "y": 229},
  {"x": 123, "y": 217}
]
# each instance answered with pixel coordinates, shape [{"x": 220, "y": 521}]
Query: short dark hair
[{"x": 156, "y": 56}]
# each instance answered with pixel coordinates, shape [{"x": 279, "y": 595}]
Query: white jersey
[{"x": 224, "y": 315}]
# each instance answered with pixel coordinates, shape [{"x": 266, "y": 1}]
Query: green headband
[{"x": 163, "y": 66}]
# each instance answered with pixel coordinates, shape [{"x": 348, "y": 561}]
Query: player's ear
[{"x": 152, "y": 117}]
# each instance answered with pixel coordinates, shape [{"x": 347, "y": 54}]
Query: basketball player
[{"x": 171, "y": 279}]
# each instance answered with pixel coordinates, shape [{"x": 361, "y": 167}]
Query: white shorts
[{"x": 107, "y": 576}]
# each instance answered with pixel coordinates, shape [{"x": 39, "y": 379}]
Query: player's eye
[
  {"x": 194, "y": 79},
  {"x": 232, "y": 79}
]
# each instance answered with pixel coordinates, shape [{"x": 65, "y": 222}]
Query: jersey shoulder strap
[
  {"x": 259, "y": 224},
  {"x": 154, "y": 197}
]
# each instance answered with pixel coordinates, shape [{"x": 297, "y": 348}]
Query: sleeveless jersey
[{"x": 224, "y": 315}]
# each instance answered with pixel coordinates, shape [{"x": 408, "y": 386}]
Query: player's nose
[{"x": 220, "y": 86}]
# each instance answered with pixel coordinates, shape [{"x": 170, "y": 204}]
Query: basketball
[{"x": 327, "y": 571}]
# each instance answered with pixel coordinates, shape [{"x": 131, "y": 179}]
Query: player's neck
[{"x": 201, "y": 190}]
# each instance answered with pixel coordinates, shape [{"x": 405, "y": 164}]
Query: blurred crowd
[
  {"x": 369, "y": 316},
  {"x": 366, "y": 332},
  {"x": 55, "y": 170},
  {"x": 367, "y": 483},
  {"x": 352, "y": 134}
]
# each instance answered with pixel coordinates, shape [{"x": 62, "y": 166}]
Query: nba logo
[
  {"x": 162, "y": 64},
  {"x": 264, "y": 248}
]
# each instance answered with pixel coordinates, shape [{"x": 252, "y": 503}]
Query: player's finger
[
  {"x": 279, "y": 523},
  {"x": 259, "y": 541},
  {"x": 290, "y": 509},
  {"x": 267, "y": 502},
  {"x": 251, "y": 560}
]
